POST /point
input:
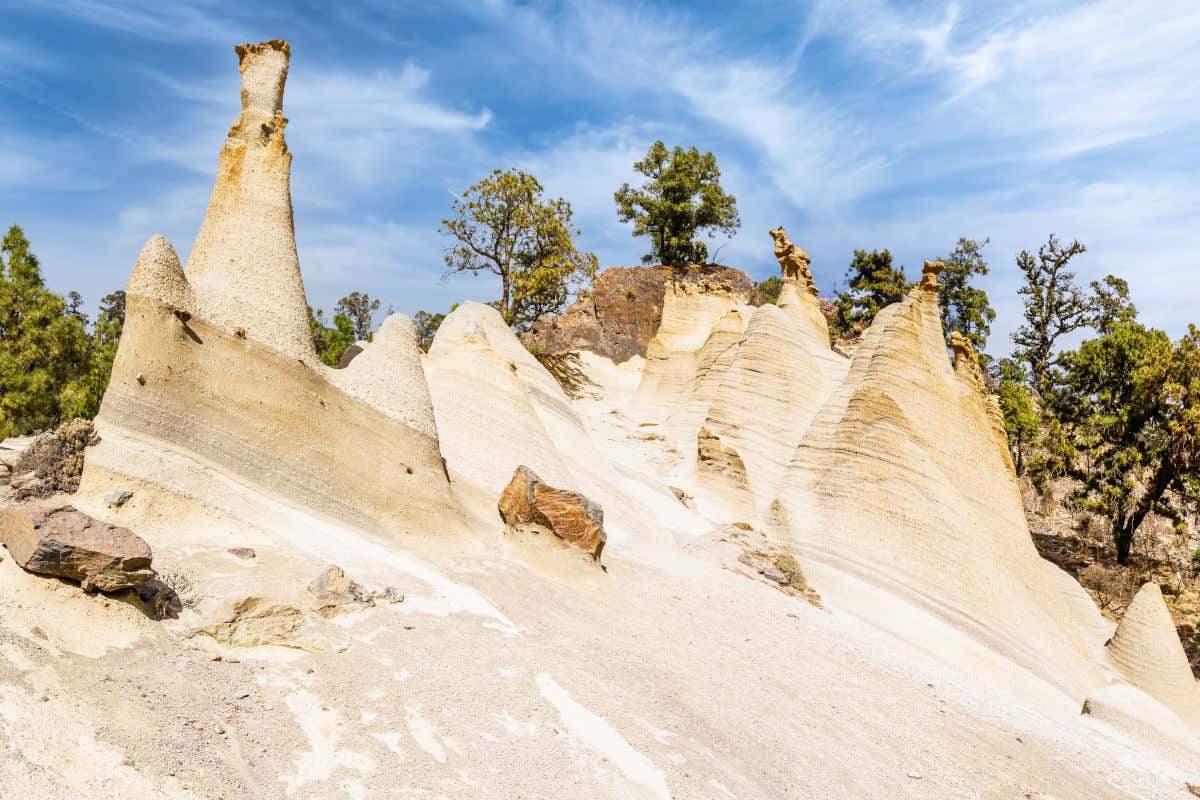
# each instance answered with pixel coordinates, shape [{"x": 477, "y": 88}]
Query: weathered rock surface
[
  {"x": 53, "y": 463},
  {"x": 568, "y": 515},
  {"x": 66, "y": 543},
  {"x": 255, "y": 621},
  {"x": 621, "y": 313},
  {"x": 216, "y": 372},
  {"x": 333, "y": 592},
  {"x": 1146, "y": 650}
]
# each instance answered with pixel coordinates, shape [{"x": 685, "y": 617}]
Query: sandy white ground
[{"x": 515, "y": 669}]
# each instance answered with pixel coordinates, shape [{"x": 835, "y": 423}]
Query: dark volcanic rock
[{"x": 620, "y": 314}]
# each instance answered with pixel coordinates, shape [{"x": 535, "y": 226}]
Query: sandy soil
[{"x": 516, "y": 669}]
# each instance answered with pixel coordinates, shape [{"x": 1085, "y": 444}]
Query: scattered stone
[
  {"x": 333, "y": 592},
  {"x": 568, "y": 515},
  {"x": 915, "y": 776},
  {"x": 773, "y": 574},
  {"x": 743, "y": 526},
  {"x": 118, "y": 499},
  {"x": 258, "y": 621},
  {"x": 66, "y": 543},
  {"x": 54, "y": 462},
  {"x": 243, "y": 552}
]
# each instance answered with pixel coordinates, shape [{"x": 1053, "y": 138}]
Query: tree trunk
[{"x": 1123, "y": 536}]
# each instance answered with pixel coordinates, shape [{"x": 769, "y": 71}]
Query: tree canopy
[
  {"x": 360, "y": 309},
  {"x": 505, "y": 226},
  {"x": 681, "y": 198},
  {"x": 965, "y": 308},
  {"x": 1129, "y": 403},
  {"x": 871, "y": 283},
  {"x": 50, "y": 369},
  {"x": 1054, "y": 305}
]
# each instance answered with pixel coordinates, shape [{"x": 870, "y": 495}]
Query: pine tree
[
  {"x": 681, "y": 198},
  {"x": 872, "y": 283},
  {"x": 45, "y": 366},
  {"x": 965, "y": 308},
  {"x": 1054, "y": 306},
  {"x": 1129, "y": 403}
]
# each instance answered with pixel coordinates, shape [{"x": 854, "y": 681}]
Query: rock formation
[
  {"x": 498, "y": 408},
  {"x": 819, "y": 581},
  {"x": 622, "y": 311},
  {"x": 569, "y": 515},
  {"x": 793, "y": 261},
  {"x": 65, "y": 543},
  {"x": 1146, "y": 651},
  {"x": 216, "y": 367},
  {"x": 880, "y": 488}
]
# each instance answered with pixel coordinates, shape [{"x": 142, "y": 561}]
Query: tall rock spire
[{"x": 243, "y": 264}]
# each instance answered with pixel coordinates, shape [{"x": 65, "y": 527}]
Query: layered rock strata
[
  {"x": 903, "y": 479},
  {"x": 1146, "y": 651},
  {"x": 216, "y": 368}
]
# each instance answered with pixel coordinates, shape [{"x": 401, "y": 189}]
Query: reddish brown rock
[
  {"x": 621, "y": 313},
  {"x": 66, "y": 543},
  {"x": 568, "y": 515}
]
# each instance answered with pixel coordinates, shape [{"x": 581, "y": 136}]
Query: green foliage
[
  {"x": 768, "y": 290},
  {"x": 1129, "y": 405},
  {"x": 1054, "y": 306},
  {"x": 47, "y": 369},
  {"x": 427, "y": 327},
  {"x": 681, "y": 198},
  {"x": 1020, "y": 418},
  {"x": 965, "y": 308},
  {"x": 871, "y": 283},
  {"x": 504, "y": 226},
  {"x": 1111, "y": 304},
  {"x": 360, "y": 309},
  {"x": 331, "y": 343}
]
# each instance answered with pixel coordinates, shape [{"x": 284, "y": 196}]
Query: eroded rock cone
[
  {"x": 568, "y": 515},
  {"x": 67, "y": 543}
]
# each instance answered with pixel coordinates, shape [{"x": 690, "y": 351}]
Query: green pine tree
[
  {"x": 45, "y": 355},
  {"x": 871, "y": 283}
]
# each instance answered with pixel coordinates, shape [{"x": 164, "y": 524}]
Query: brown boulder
[
  {"x": 568, "y": 515},
  {"x": 621, "y": 313},
  {"x": 66, "y": 543}
]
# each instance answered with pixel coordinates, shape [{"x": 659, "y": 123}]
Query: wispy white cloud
[{"x": 173, "y": 20}]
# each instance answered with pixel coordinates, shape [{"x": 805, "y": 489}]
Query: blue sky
[{"x": 857, "y": 124}]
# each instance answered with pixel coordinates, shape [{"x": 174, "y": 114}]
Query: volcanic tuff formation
[
  {"x": 818, "y": 581},
  {"x": 216, "y": 369}
]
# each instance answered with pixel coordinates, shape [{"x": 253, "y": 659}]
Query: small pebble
[{"x": 915, "y": 776}]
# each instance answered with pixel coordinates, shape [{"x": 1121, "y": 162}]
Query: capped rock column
[{"x": 243, "y": 267}]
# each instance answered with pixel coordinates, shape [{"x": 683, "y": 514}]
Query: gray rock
[
  {"x": 118, "y": 499},
  {"x": 773, "y": 573}
]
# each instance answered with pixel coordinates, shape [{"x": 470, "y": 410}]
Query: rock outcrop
[
  {"x": 569, "y": 515},
  {"x": 498, "y": 408},
  {"x": 1146, "y": 651},
  {"x": 216, "y": 368},
  {"x": 65, "y": 543},
  {"x": 903, "y": 480},
  {"x": 333, "y": 592},
  {"x": 622, "y": 311},
  {"x": 53, "y": 463}
]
